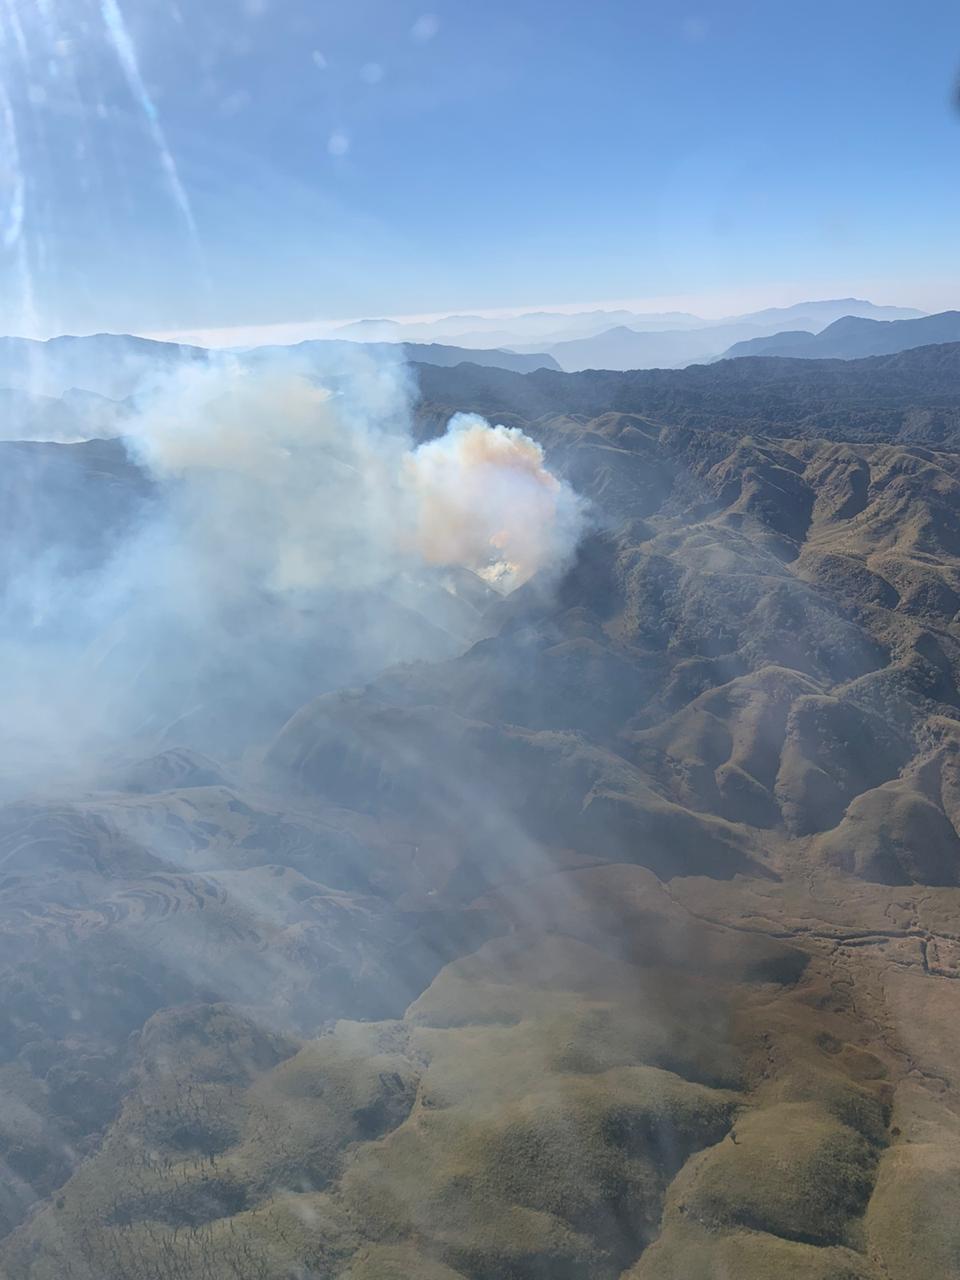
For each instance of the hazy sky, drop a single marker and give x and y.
(219, 163)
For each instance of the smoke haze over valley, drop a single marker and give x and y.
(259, 537)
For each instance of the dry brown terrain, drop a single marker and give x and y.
(624, 946)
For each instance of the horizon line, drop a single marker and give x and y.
(290, 332)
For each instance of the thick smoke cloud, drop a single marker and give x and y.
(316, 488)
(485, 500)
(295, 539)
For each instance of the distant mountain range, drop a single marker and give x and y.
(853, 337)
(72, 388)
(625, 347)
(622, 339)
(530, 331)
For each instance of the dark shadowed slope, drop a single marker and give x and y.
(911, 396)
(67, 505)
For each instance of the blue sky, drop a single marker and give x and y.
(224, 164)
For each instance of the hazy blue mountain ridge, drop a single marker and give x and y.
(853, 337)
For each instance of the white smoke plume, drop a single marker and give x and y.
(297, 540)
(485, 500)
(317, 488)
